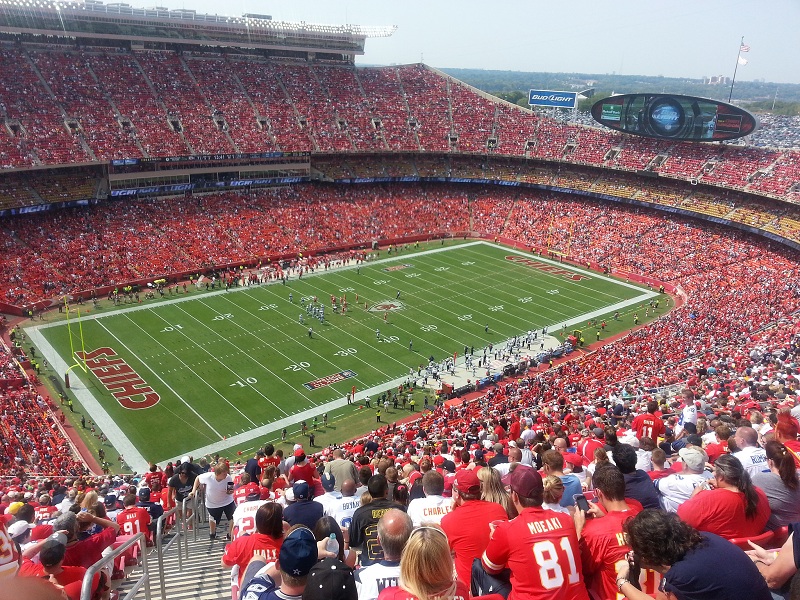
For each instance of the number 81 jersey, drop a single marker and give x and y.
(541, 549)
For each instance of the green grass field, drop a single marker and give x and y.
(230, 367)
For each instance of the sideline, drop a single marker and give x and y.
(134, 458)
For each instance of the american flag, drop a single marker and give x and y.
(744, 48)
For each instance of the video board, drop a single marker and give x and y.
(674, 117)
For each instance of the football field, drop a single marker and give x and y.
(208, 370)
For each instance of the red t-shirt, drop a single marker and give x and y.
(241, 550)
(467, 529)
(602, 545)
(538, 538)
(267, 461)
(9, 557)
(721, 511)
(398, 593)
(648, 425)
(44, 513)
(87, 552)
(241, 493)
(586, 448)
(305, 472)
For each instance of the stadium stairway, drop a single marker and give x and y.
(202, 577)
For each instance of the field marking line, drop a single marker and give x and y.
(320, 356)
(234, 290)
(88, 400)
(180, 361)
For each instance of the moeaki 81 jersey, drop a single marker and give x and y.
(541, 549)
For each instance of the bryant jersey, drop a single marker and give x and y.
(541, 549)
(602, 545)
(342, 510)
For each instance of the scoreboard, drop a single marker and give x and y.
(674, 117)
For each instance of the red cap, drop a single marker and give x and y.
(467, 481)
(299, 452)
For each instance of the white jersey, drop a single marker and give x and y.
(372, 580)
(244, 517)
(677, 489)
(342, 509)
(328, 499)
(430, 509)
(217, 494)
(753, 459)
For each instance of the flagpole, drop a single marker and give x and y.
(736, 68)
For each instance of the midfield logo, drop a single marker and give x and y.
(398, 267)
(386, 306)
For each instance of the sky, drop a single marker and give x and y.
(677, 38)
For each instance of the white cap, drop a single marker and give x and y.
(185, 459)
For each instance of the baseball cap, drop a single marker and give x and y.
(598, 432)
(185, 459)
(301, 490)
(330, 579)
(526, 482)
(18, 528)
(14, 507)
(694, 458)
(467, 481)
(144, 494)
(298, 552)
(110, 500)
(328, 482)
(52, 551)
(299, 452)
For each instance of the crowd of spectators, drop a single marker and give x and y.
(78, 249)
(69, 107)
(445, 505)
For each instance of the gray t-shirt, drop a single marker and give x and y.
(784, 502)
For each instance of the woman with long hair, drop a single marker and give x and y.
(781, 485)
(729, 504)
(426, 569)
(267, 538)
(492, 490)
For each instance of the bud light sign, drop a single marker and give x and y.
(552, 99)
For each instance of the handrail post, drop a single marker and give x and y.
(144, 579)
(160, 548)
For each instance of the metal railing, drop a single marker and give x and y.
(143, 580)
(161, 548)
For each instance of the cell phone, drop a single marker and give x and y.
(230, 486)
(581, 502)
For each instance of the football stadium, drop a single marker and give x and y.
(277, 325)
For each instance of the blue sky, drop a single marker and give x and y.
(677, 38)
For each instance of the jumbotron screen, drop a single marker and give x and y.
(668, 116)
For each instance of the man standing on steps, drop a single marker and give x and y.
(219, 497)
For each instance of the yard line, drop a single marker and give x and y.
(331, 323)
(177, 395)
(87, 399)
(216, 359)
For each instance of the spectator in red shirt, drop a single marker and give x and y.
(648, 424)
(267, 539)
(134, 519)
(86, 552)
(245, 489)
(302, 469)
(733, 507)
(467, 525)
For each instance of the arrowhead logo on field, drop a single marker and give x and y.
(386, 305)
